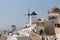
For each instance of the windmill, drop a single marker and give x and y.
(29, 16)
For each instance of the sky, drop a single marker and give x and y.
(12, 11)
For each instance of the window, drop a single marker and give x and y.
(58, 25)
(46, 38)
(33, 30)
(52, 22)
(43, 38)
(49, 18)
(52, 18)
(55, 39)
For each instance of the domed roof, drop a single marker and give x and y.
(13, 26)
(39, 19)
(33, 13)
(54, 10)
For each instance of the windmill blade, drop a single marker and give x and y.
(27, 14)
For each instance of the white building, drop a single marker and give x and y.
(46, 26)
(17, 37)
(13, 28)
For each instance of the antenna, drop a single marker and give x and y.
(48, 11)
(28, 11)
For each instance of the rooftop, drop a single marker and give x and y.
(33, 13)
(54, 10)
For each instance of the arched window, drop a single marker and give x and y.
(52, 18)
(49, 18)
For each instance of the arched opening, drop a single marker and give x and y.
(41, 32)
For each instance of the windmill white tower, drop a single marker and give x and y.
(33, 17)
(13, 28)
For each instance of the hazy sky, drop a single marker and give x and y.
(12, 11)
